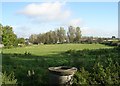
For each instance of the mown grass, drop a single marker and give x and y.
(44, 50)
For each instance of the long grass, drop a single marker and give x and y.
(40, 57)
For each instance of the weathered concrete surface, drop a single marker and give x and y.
(61, 76)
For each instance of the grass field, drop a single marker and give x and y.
(40, 57)
(53, 49)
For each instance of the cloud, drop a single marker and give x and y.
(46, 11)
(22, 31)
(88, 31)
(75, 22)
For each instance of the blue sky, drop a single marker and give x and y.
(94, 18)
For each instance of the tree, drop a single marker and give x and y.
(113, 37)
(1, 29)
(89, 40)
(51, 37)
(9, 39)
(57, 36)
(33, 39)
(78, 34)
(99, 40)
(21, 40)
(71, 34)
(54, 33)
(47, 38)
(61, 34)
(39, 38)
(1, 33)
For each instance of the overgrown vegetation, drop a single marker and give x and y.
(8, 79)
(99, 74)
(95, 66)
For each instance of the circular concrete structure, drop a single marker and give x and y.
(61, 75)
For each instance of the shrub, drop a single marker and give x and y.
(100, 75)
(8, 79)
(81, 77)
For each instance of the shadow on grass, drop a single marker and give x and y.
(32, 70)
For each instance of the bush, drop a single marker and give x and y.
(112, 43)
(81, 77)
(100, 75)
(8, 79)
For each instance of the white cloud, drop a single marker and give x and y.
(46, 11)
(88, 31)
(22, 31)
(75, 22)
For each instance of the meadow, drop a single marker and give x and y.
(46, 50)
(39, 58)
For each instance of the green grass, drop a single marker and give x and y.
(43, 50)
(0, 50)
(42, 57)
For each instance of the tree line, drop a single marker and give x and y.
(73, 35)
(9, 39)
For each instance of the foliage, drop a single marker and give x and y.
(1, 29)
(81, 77)
(100, 75)
(21, 40)
(8, 79)
(8, 37)
(78, 34)
(38, 58)
(112, 42)
(1, 33)
(57, 36)
(33, 38)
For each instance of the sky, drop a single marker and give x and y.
(119, 20)
(98, 19)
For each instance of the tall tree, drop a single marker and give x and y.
(47, 38)
(33, 38)
(39, 38)
(61, 34)
(54, 33)
(51, 37)
(71, 34)
(1, 29)
(1, 33)
(78, 34)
